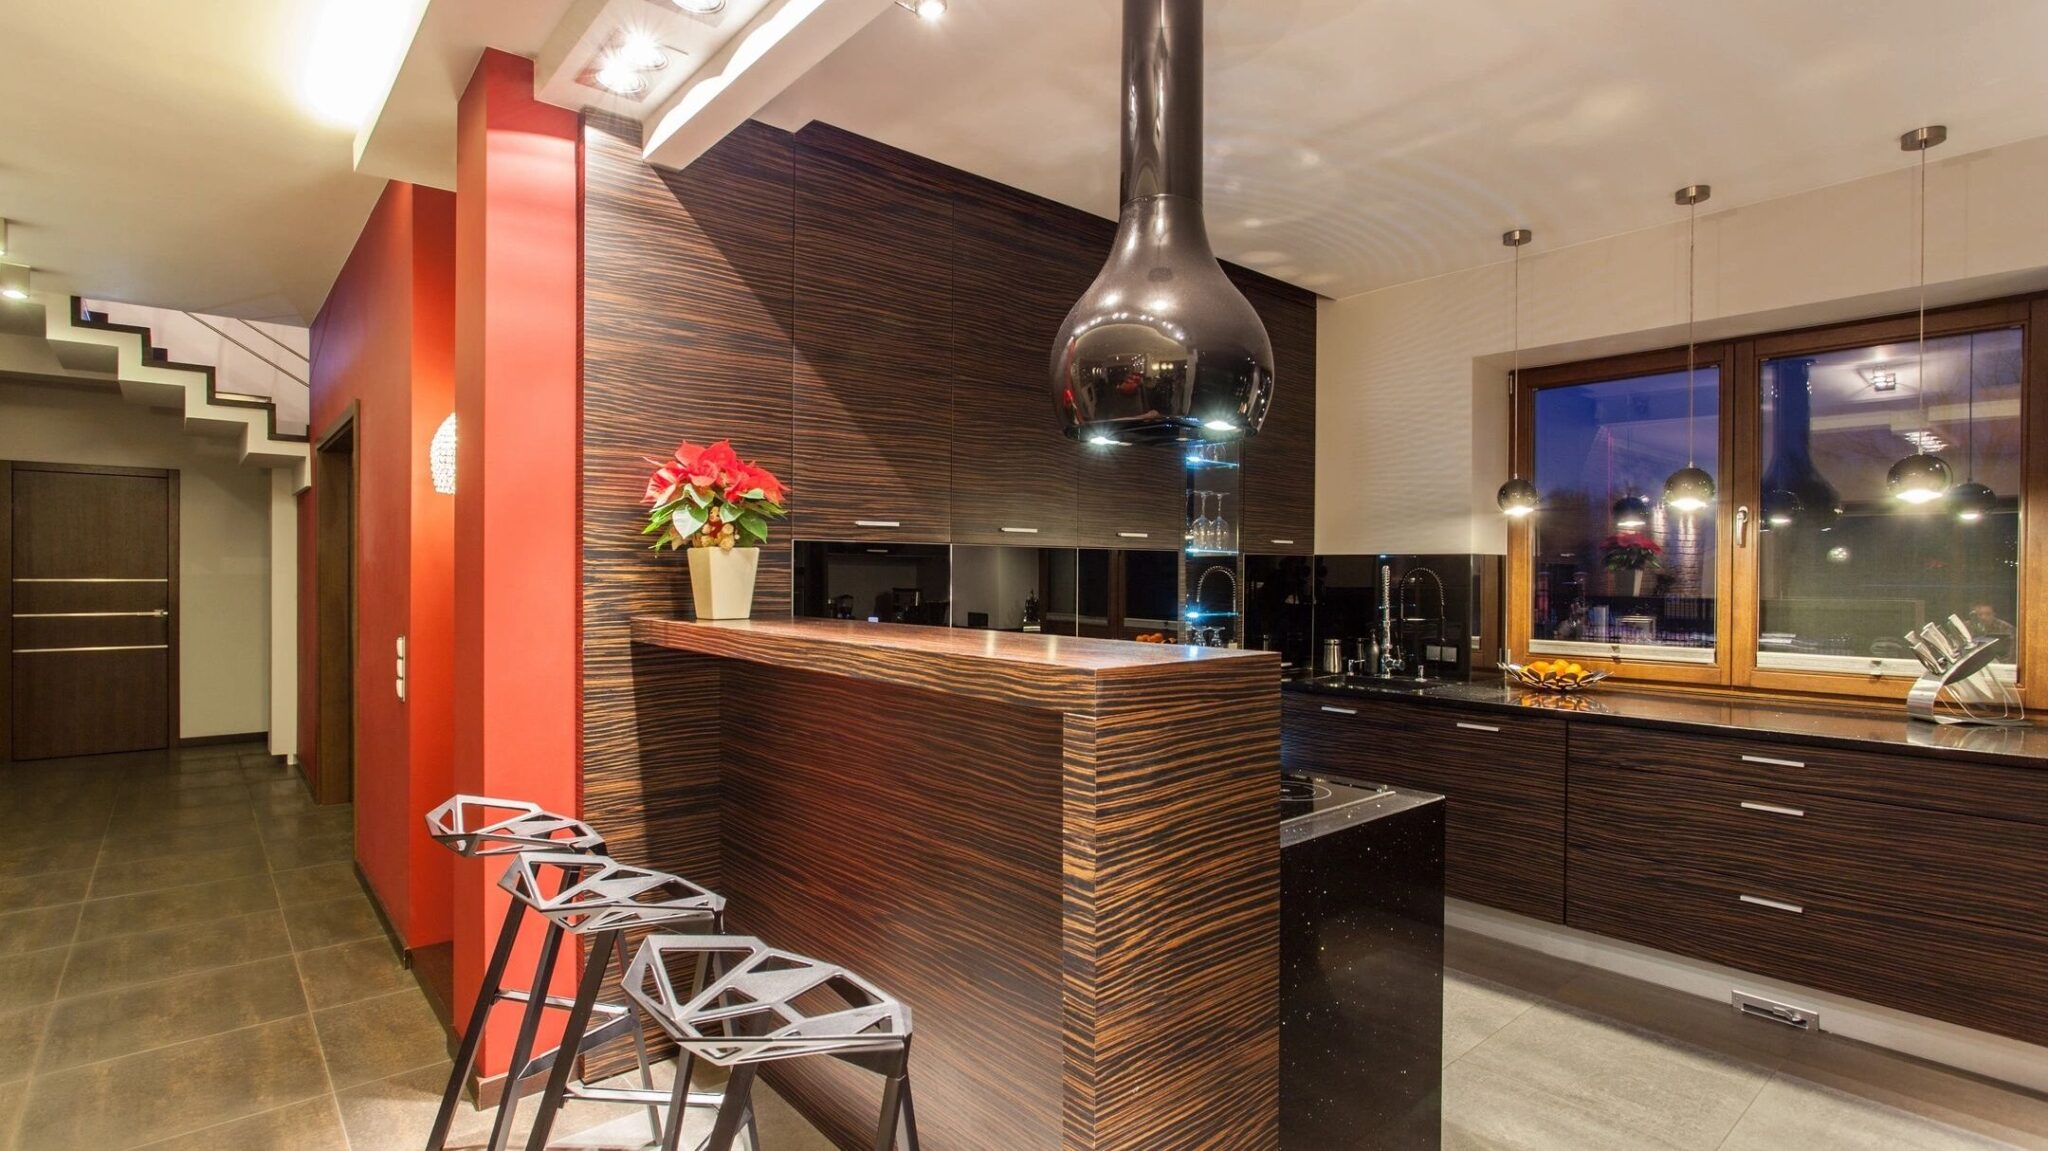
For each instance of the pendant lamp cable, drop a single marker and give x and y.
(1515, 376)
(1692, 235)
(1921, 364)
(1970, 411)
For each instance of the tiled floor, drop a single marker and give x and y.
(1545, 1055)
(187, 962)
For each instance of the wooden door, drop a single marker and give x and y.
(334, 577)
(92, 559)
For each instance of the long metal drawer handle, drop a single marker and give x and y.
(1486, 727)
(1340, 710)
(159, 613)
(1284, 543)
(1767, 761)
(1773, 904)
(878, 523)
(1134, 535)
(1771, 808)
(91, 579)
(1021, 531)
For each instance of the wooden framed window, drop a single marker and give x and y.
(1806, 575)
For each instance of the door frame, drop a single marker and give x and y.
(332, 787)
(174, 727)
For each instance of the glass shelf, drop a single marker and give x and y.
(1216, 552)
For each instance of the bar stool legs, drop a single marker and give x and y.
(522, 1046)
(472, 1036)
(896, 1106)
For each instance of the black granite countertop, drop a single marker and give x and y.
(1879, 728)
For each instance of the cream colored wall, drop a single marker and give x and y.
(1412, 416)
(223, 550)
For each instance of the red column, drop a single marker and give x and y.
(517, 569)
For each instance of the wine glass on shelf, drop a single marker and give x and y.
(1220, 532)
(1198, 531)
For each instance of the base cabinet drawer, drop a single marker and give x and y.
(1502, 776)
(1909, 860)
(1970, 974)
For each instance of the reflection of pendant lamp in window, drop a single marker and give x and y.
(1922, 476)
(1794, 492)
(1631, 513)
(1690, 488)
(1517, 496)
(1972, 501)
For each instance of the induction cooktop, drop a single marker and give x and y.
(1304, 794)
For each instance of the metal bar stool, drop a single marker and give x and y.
(764, 1006)
(602, 899)
(483, 827)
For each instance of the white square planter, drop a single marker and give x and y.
(722, 582)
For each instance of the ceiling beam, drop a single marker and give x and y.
(786, 40)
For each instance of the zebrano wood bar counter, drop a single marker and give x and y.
(1062, 853)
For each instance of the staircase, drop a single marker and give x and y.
(226, 377)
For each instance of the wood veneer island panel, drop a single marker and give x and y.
(1063, 853)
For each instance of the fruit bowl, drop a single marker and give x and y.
(1557, 675)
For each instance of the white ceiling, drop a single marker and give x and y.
(170, 153)
(1355, 144)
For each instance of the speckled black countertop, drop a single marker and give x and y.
(1877, 728)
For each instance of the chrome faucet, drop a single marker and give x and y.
(1411, 613)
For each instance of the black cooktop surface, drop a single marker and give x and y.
(1304, 794)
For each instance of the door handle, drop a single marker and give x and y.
(1485, 727)
(1134, 535)
(1769, 761)
(1773, 904)
(1742, 526)
(1772, 808)
(1340, 710)
(1020, 531)
(878, 523)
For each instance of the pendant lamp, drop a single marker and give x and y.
(1517, 497)
(1972, 501)
(1631, 513)
(1690, 489)
(1923, 476)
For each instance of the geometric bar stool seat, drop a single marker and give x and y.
(768, 1005)
(478, 827)
(597, 898)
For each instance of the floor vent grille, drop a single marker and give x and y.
(1771, 1009)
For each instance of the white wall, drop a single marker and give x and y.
(1412, 416)
(224, 537)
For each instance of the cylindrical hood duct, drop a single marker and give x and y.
(1162, 346)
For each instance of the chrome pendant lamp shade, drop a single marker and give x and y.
(1922, 477)
(1631, 513)
(1162, 346)
(1517, 497)
(1690, 489)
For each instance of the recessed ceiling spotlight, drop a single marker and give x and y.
(639, 50)
(700, 7)
(1884, 381)
(14, 281)
(617, 76)
(924, 9)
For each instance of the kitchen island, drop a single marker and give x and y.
(1062, 853)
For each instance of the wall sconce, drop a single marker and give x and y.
(14, 281)
(441, 456)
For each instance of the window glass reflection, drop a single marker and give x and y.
(1845, 570)
(1613, 565)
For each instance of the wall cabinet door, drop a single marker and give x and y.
(1280, 462)
(1133, 496)
(873, 343)
(1018, 266)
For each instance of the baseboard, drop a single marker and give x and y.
(391, 935)
(1978, 1052)
(262, 737)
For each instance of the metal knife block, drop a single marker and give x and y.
(1962, 675)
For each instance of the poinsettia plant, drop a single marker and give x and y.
(1632, 552)
(705, 497)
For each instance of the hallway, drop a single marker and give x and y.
(187, 961)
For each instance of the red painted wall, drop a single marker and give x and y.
(383, 344)
(517, 560)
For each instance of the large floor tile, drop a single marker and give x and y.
(304, 851)
(176, 907)
(317, 884)
(12, 1096)
(130, 848)
(21, 1034)
(1475, 1009)
(178, 870)
(1681, 1096)
(124, 1103)
(148, 1015)
(319, 821)
(377, 1038)
(105, 964)
(1486, 1110)
(314, 1125)
(189, 788)
(30, 979)
(394, 1114)
(1929, 1090)
(1794, 1114)
(348, 972)
(24, 862)
(325, 924)
(41, 928)
(45, 890)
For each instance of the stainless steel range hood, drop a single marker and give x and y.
(1162, 346)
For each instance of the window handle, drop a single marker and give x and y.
(1742, 526)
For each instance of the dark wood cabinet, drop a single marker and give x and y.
(1503, 777)
(1278, 499)
(1018, 266)
(873, 343)
(1132, 495)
